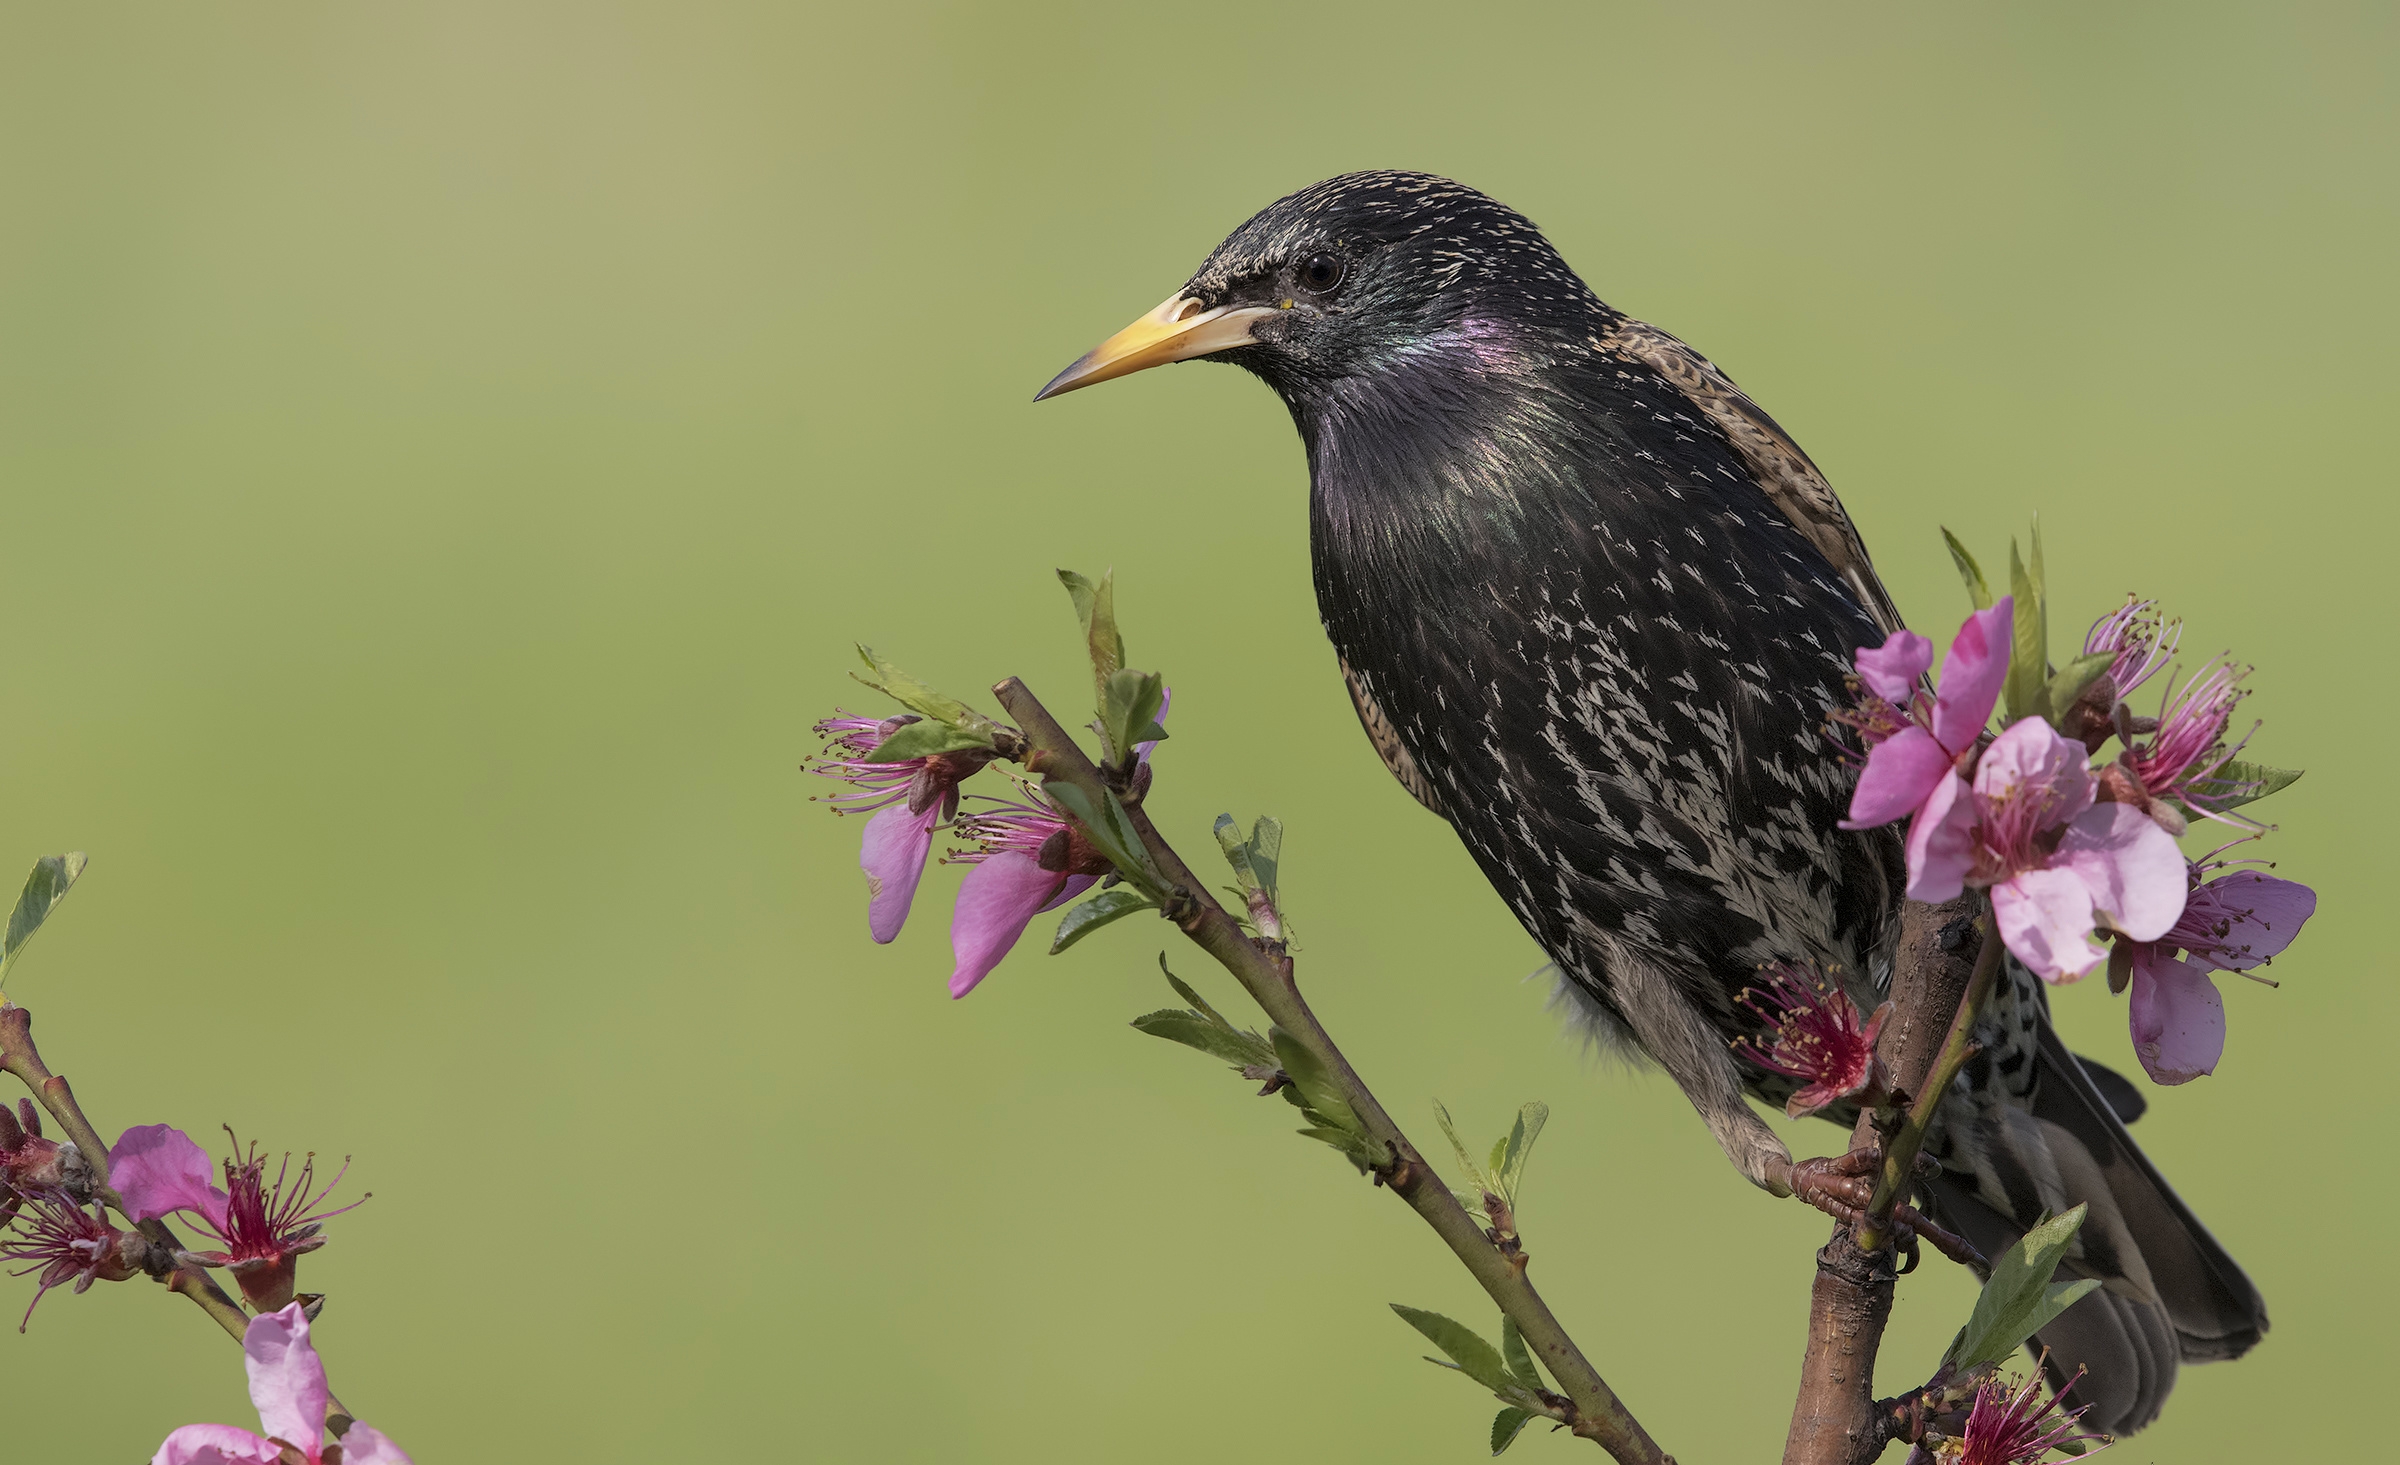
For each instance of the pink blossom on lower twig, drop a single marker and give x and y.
(908, 799)
(287, 1385)
(58, 1238)
(2018, 1427)
(262, 1229)
(1032, 859)
(2141, 642)
(2232, 923)
(1817, 1036)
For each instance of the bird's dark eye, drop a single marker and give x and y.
(1321, 271)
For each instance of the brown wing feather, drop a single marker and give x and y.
(1386, 739)
(1791, 481)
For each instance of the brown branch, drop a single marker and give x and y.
(1264, 969)
(1835, 1420)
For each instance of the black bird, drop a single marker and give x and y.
(1593, 607)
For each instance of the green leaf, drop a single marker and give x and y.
(1315, 1082)
(1129, 705)
(2028, 652)
(1505, 1426)
(1510, 1166)
(1109, 905)
(1199, 1003)
(1111, 832)
(1096, 610)
(1520, 1361)
(1969, 571)
(2020, 1298)
(2071, 682)
(1266, 856)
(1237, 851)
(915, 695)
(1238, 1049)
(923, 739)
(53, 876)
(1475, 1175)
(2236, 783)
(1468, 1352)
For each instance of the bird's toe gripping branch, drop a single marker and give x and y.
(1843, 1187)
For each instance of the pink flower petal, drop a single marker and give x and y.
(1941, 842)
(2045, 917)
(287, 1380)
(2266, 913)
(156, 1170)
(1075, 885)
(2131, 867)
(215, 1444)
(893, 855)
(1901, 771)
(2030, 757)
(2178, 1019)
(1971, 677)
(367, 1446)
(994, 902)
(1891, 670)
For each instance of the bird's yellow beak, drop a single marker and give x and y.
(1177, 331)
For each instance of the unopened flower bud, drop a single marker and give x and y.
(28, 1162)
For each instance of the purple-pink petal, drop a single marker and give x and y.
(893, 855)
(1971, 676)
(2131, 867)
(287, 1380)
(1073, 886)
(1901, 772)
(2266, 914)
(2031, 761)
(2045, 917)
(156, 1169)
(216, 1444)
(1891, 670)
(995, 901)
(1941, 842)
(2178, 1020)
(365, 1445)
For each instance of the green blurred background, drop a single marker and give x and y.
(449, 449)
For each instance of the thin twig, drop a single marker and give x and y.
(1265, 972)
(1958, 1045)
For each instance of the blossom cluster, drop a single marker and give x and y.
(2081, 861)
(1026, 855)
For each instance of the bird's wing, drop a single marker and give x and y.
(1792, 483)
(1386, 739)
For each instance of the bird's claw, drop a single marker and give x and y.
(1843, 1186)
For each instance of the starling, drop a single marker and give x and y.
(1593, 607)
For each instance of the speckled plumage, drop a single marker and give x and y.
(1593, 606)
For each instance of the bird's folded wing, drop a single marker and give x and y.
(1791, 481)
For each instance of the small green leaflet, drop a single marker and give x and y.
(1507, 1165)
(2020, 1299)
(2029, 641)
(53, 876)
(1334, 1121)
(1478, 1182)
(1257, 864)
(2071, 681)
(2236, 783)
(1130, 702)
(1512, 1348)
(1505, 1427)
(923, 739)
(1096, 611)
(915, 695)
(1109, 905)
(1111, 830)
(1969, 571)
(1205, 1028)
(1468, 1352)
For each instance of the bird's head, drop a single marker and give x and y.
(1347, 277)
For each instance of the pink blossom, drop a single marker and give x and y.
(2180, 760)
(1925, 742)
(262, 1230)
(30, 1162)
(1032, 858)
(287, 1384)
(2232, 923)
(59, 1239)
(2141, 642)
(912, 797)
(2020, 1427)
(2056, 863)
(1816, 1036)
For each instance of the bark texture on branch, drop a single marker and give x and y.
(1834, 1420)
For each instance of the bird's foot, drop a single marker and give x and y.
(1843, 1186)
